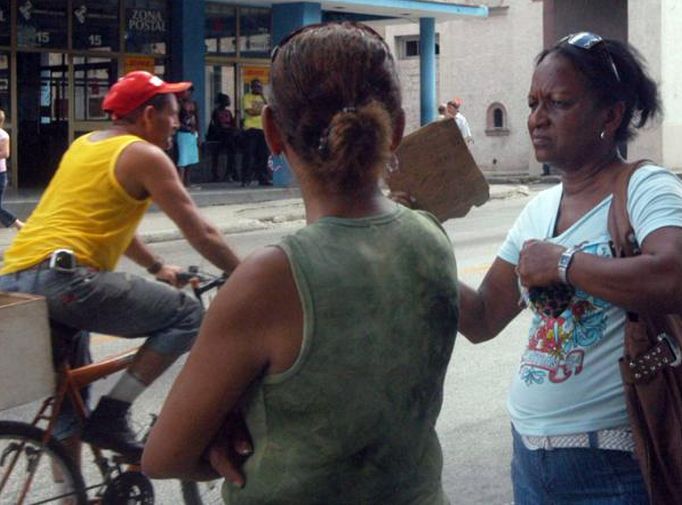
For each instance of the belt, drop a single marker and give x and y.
(43, 265)
(617, 439)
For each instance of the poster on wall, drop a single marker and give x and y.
(249, 73)
(145, 63)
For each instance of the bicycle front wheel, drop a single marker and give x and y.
(202, 493)
(33, 473)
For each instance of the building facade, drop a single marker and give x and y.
(488, 62)
(58, 58)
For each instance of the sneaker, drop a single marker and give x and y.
(108, 428)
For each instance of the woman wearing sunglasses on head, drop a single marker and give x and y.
(335, 342)
(570, 426)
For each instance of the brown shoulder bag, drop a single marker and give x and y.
(651, 372)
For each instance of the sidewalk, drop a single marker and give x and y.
(236, 210)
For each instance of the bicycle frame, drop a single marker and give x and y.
(69, 383)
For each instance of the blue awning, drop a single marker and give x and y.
(409, 10)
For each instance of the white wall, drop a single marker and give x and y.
(671, 82)
(483, 61)
(645, 34)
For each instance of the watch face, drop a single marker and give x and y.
(551, 301)
(564, 260)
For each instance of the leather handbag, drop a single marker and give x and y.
(651, 372)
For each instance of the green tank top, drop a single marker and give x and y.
(352, 422)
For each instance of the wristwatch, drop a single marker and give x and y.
(565, 262)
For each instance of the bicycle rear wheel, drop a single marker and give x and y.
(45, 469)
(202, 493)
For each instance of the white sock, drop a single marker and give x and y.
(128, 388)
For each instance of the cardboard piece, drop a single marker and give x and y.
(438, 171)
(26, 370)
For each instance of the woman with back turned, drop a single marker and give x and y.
(335, 342)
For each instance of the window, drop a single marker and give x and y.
(408, 46)
(42, 23)
(146, 26)
(95, 25)
(221, 29)
(254, 32)
(496, 120)
(92, 78)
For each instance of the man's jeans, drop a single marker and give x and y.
(6, 217)
(112, 303)
(575, 476)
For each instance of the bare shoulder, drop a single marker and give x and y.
(260, 302)
(142, 167)
(260, 278)
(144, 155)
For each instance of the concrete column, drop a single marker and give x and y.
(291, 16)
(427, 69)
(285, 19)
(187, 48)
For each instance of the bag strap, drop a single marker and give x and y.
(621, 231)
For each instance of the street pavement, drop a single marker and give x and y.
(232, 209)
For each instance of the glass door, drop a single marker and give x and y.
(42, 115)
(92, 78)
(220, 78)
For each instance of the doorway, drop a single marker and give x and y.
(42, 115)
(220, 78)
(222, 157)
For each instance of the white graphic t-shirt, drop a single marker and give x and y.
(568, 379)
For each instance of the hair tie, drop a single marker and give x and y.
(349, 110)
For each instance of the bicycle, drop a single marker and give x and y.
(35, 468)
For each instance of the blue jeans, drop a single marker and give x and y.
(113, 303)
(575, 476)
(6, 217)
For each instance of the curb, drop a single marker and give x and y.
(271, 221)
(267, 220)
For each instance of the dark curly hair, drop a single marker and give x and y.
(632, 84)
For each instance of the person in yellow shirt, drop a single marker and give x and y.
(87, 219)
(256, 156)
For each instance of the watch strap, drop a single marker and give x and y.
(155, 267)
(565, 261)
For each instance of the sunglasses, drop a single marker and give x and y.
(589, 41)
(295, 33)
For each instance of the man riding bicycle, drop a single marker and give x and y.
(87, 218)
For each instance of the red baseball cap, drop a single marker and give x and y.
(134, 89)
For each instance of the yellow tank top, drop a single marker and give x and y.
(84, 208)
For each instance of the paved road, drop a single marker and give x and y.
(473, 425)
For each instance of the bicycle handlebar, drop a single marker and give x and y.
(202, 282)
